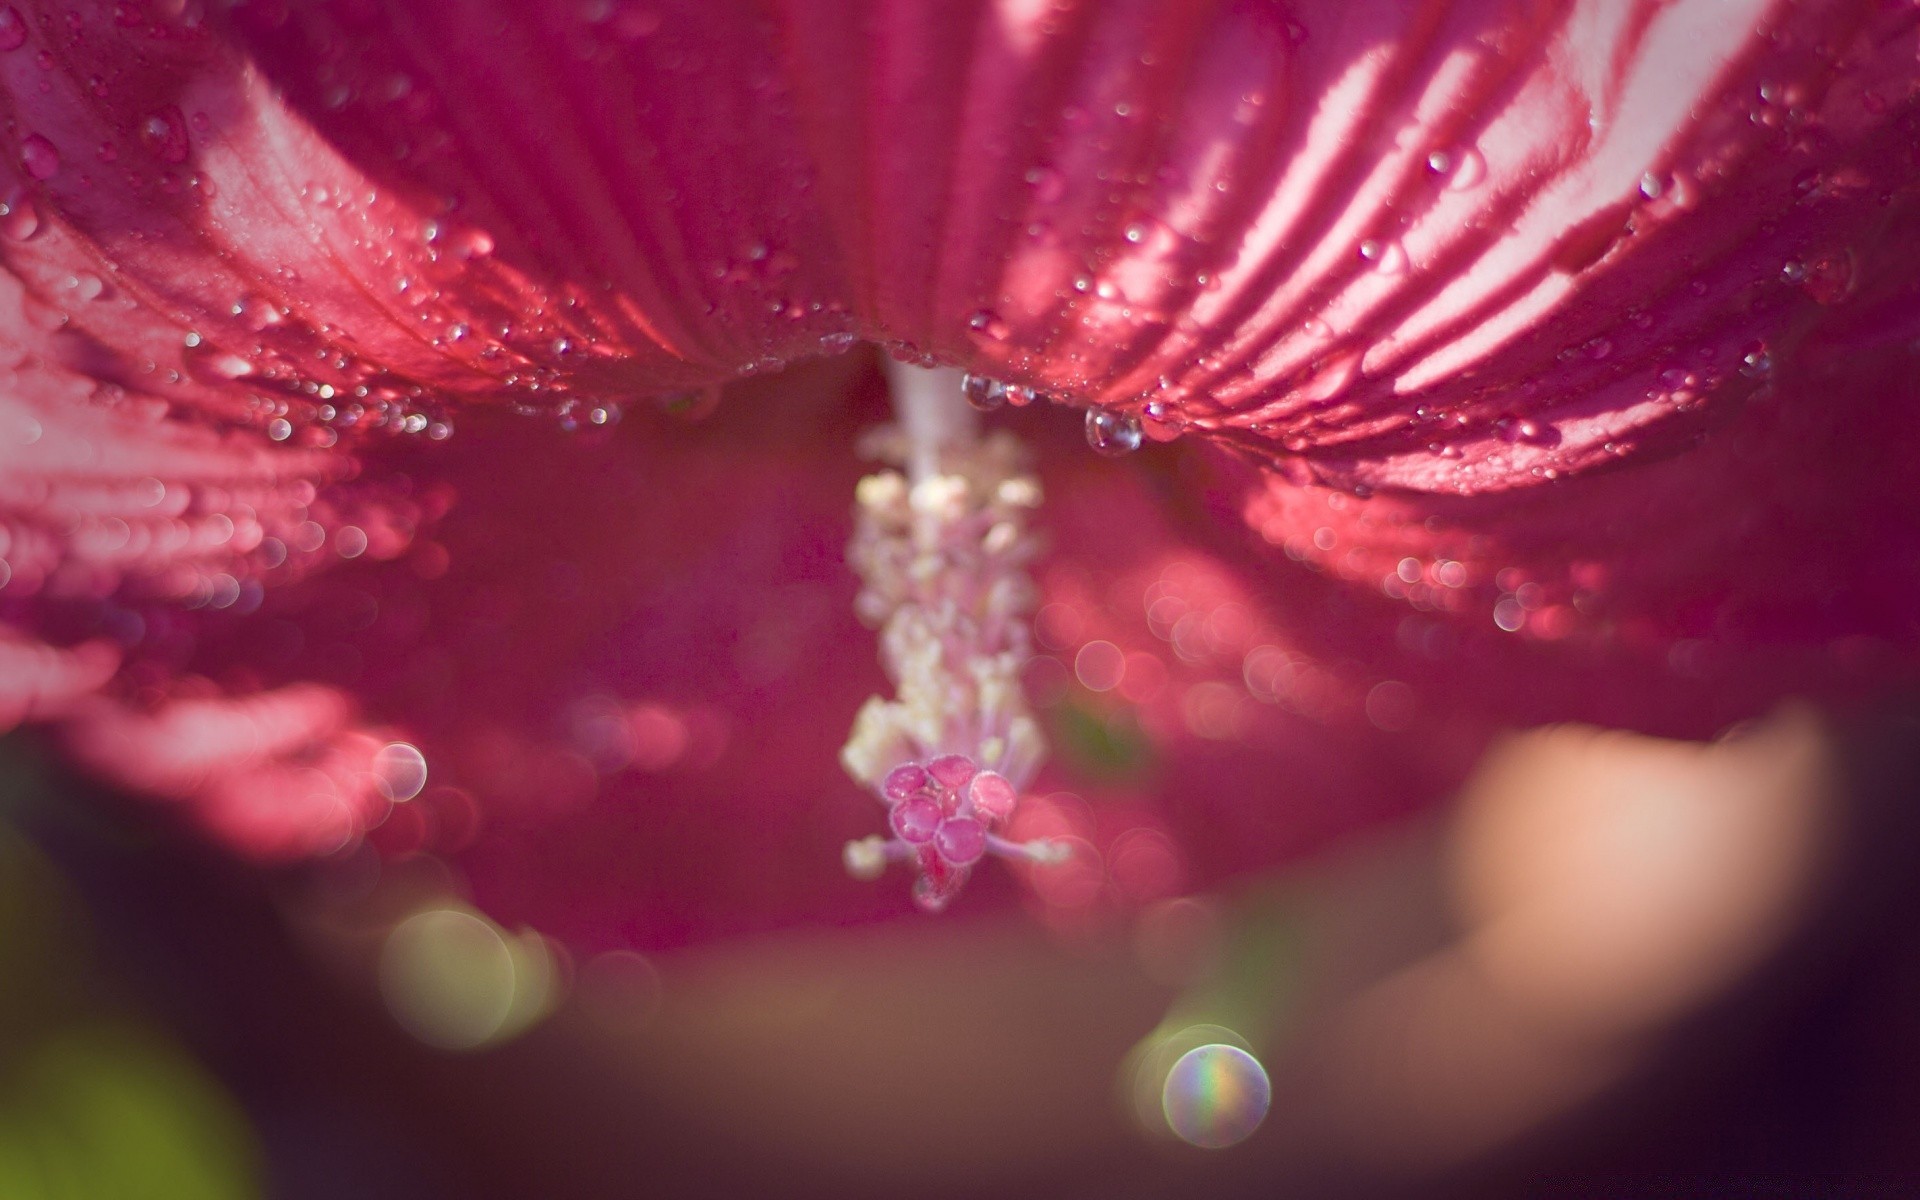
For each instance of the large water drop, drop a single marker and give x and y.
(1113, 433)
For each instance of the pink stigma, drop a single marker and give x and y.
(943, 814)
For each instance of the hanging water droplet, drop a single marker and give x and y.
(39, 157)
(982, 393)
(1113, 433)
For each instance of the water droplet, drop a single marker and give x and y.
(1439, 162)
(13, 30)
(1756, 363)
(39, 157)
(165, 134)
(210, 364)
(1388, 258)
(1469, 171)
(982, 393)
(19, 220)
(279, 429)
(988, 322)
(1048, 184)
(471, 243)
(1113, 433)
(1513, 430)
(1830, 278)
(1652, 186)
(1136, 233)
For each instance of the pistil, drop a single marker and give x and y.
(942, 546)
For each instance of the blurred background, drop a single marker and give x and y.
(1612, 966)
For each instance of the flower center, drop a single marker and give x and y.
(942, 546)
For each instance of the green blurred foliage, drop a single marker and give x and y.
(94, 1105)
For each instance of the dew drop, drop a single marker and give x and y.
(1830, 278)
(165, 133)
(1514, 430)
(1113, 433)
(39, 157)
(982, 393)
(471, 243)
(1048, 184)
(1757, 363)
(988, 323)
(19, 220)
(210, 364)
(1469, 171)
(13, 30)
(1388, 258)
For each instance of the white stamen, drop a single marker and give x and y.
(943, 551)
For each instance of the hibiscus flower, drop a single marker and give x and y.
(438, 423)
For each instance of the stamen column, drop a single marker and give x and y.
(942, 545)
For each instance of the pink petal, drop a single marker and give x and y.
(256, 265)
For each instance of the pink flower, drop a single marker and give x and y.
(1563, 358)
